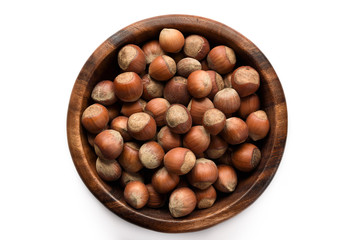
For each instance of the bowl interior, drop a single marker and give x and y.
(103, 65)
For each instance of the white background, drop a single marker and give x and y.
(314, 47)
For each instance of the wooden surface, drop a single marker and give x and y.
(102, 64)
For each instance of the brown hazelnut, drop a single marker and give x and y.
(130, 108)
(114, 111)
(157, 108)
(131, 59)
(182, 202)
(217, 147)
(178, 119)
(199, 84)
(177, 56)
(183, 182)
(136, 194)
(187, 65)
(104, 93)
(129, 158)
(95, 118)
(162, 68)
(205, 198)
(151, 88)
(175, 91)
(179, 160)
(258, 124)
(204, 65)
(120, 124)
(245, 80)
(151, 154)
(235, 131)
(246, 157)
(108, 144)
(197, 108)
(196, 47)
(248, 105)
(141, 126)
(222, 59)
(128, 86)
(197, 139)
(127, 177)
(167, 139)
(203, 174)
(226, 157)
(227, 100)
(108, 170)
(214, 121)
(152, 50)
(163, 181)
(217, 83)
(171, 40)
(227, 80)
(156, 200)
(227, 179)
(90, 138)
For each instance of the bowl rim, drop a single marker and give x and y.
(104, 193)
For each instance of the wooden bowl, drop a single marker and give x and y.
(102, 64)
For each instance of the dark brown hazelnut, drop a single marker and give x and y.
(114, 111)
(175, 91)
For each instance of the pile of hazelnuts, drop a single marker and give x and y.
(179, 110)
